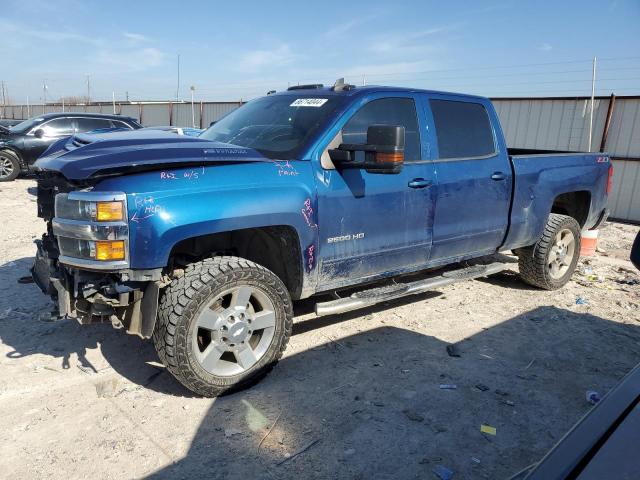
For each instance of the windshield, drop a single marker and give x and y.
(26, 125)
(277, 126)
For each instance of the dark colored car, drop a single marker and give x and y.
(22, 144)
(7, 122)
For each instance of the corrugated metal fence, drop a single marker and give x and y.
(149, 114)
(563, 124)
(542, 123)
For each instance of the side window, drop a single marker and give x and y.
(463, 129)
(386, 111)
(59, 127)
(88, 124)
(119, 124)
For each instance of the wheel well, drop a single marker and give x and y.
(17, 154)
(276, 248)
(573, 204)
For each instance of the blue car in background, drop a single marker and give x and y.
(188, 131)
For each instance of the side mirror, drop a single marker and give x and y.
(384, 150)
(635, 252)
(39, 133)
(389, 154)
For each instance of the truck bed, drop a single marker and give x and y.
(540, 177)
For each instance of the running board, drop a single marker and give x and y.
(366, 298)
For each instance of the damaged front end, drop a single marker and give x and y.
(82, 261)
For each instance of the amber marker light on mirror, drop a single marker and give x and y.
(391, 157)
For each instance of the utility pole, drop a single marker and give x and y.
(4, 100)
(178, 86)
(88, 89)
(28, 108)
(113, 100)
(193, 112)
(62, 104)
(593, 94)
(44, 96)
(127, 95)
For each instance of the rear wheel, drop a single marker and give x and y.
(223, 325)
(550, 263)
(9, 166)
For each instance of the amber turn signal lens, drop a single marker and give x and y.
(109, 211)
(111, 250)
(395, 157)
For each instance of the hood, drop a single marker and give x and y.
(98, 155)
(5, 133)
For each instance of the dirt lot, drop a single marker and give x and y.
(362, 389)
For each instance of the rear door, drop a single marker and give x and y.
(474, 178)
(373, 224)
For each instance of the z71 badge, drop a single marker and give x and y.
(344, 238)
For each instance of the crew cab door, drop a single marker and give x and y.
(474, 178)
(53, 130)
(373, 224)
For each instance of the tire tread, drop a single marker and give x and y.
(532, 260)
(181, 297)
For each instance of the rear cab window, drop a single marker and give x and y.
(463, 129)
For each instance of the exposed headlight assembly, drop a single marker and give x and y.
(92, 230)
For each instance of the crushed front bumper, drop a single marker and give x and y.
(129, 299)
(44, 273)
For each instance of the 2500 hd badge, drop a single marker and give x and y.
(344, 238)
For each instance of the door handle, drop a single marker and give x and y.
(419, 183)
(498, 176)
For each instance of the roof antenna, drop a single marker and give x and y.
(339, 85)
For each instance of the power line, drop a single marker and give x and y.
(433, 76)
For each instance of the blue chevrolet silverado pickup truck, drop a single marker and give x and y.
(203, 243)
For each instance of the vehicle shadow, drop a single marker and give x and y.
(371, 405)
(372, 401)
(130, 356)
(23, 330)
(508, 279)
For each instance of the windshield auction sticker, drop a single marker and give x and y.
(309, 102)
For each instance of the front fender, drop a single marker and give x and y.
(170, 206)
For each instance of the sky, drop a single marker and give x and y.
(242, 49)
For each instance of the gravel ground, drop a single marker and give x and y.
(361, 390)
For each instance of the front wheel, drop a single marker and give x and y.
(223, 325)
(550, 263)
(9, 166)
